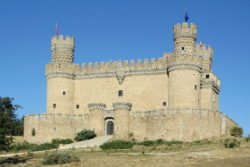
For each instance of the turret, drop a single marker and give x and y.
(184, 69)
(62, 49)
(185, 38)
(60, 87)
(122, 119)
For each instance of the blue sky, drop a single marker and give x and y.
(121, 30)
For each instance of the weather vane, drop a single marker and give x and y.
(57, 30)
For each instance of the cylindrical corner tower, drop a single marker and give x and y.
(62, 49)
(185, 38)
(122, 119)
(59, 74)
(184, 69)
(97, 117)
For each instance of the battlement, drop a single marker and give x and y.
(204, 51)
(185, 30)
(57, 116)
(61, 39)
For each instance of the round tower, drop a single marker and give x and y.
(62, 49)
(59, 74)
(122, 119)
(97, 117)
(184, 69)
(185, 38)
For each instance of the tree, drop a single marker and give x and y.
(7, 121)
(236, 131)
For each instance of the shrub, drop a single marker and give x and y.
(33, 147)
(236, 131)
(44, 146)
(85, 135)
(231, 143)
(147, 143)
(61, 141)
(59, 158)
(117, 144)
(247, 138)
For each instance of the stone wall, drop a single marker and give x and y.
(167, 124)
(53, 126)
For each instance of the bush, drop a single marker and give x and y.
(117, 144)
(248, 138)
(236, 131)
(159, 142)
(61, 141)
(147, 143)
(33, 147)
(85, 135)
(231, 143)
(45, 146)
(59, 158)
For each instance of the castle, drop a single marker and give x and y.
(174, 97)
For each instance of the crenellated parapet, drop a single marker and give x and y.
(187, 62)
(206, 52)
(57, 116)
(185, 30)
(62, 49)
(122, 106)
(107, 69)
(96, 106)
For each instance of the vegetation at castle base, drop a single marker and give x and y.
(61, 141)
(247, 138)
(39, 147)
(59, 158)
(33, 147)
(174, 144)
(117, 144)
(9, 124)
(236, 131)
(85, 135)
(231, 143)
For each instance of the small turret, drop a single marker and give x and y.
(62, 49)
(185, 38)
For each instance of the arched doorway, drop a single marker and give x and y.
(110, 128)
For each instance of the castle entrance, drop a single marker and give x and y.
(110, 128)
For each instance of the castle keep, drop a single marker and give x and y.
(174, 97)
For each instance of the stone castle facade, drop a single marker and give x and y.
(174, 97)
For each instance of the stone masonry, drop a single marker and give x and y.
(174, 97)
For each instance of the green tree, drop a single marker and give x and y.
(7, 121)
(236, 131)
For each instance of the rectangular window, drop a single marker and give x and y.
(164, 103)
(77, 106)
(207, 76)
(195, 87)
(120, 93)
(64, 93)
(54, 105)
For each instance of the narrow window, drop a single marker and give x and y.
(164, 103)
(54, 105)
(207, 76)
(33, 132)
(195, 87)
(182, 48)
(54, 129)
(64, 93)
(120, 93)
(77, 106)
